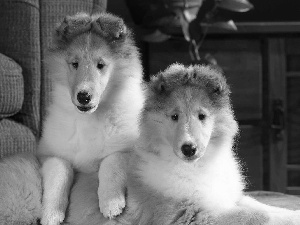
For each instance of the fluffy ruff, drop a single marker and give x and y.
(96, 99)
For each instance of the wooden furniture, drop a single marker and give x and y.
(262, 64)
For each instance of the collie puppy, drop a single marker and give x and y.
(182, 169)
(96, 99)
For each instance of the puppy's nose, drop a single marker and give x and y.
(84, 97)
(188, 150)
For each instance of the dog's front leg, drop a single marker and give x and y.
(57, 177)
(112, 184)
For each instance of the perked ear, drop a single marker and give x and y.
(221, 89)
(160, 84)
(219, 85)
(110, 27)
(217, 90)
(73, 25)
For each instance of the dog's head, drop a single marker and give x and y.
(186, 110)
(88, 51)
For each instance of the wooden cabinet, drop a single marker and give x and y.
(292, 71)
(263, 71)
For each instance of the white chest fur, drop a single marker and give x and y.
(84, 139)
(213, 185)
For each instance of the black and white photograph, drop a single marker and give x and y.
(149, 112)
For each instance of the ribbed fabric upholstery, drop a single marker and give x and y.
(11, 87)
(15, 138)
(20, 40)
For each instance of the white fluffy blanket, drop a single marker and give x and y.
(20, 190)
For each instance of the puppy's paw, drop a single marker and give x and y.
(52, 217)
(111, 206)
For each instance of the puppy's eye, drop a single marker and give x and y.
(201, 116)
(174, 117)
(75, 65)
(100, 66)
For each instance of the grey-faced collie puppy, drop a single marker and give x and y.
(96, 99)
(182, 169)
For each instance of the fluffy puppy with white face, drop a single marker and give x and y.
(96, 99)
(183, 169)
(187, 133)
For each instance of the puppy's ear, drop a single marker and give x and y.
(110, 27)
(217, 90)
(160, 84)
(219, 85)
(222, 88)
(72, 26)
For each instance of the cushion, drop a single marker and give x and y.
(11, 87)
(15, 138)
(20, 40)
